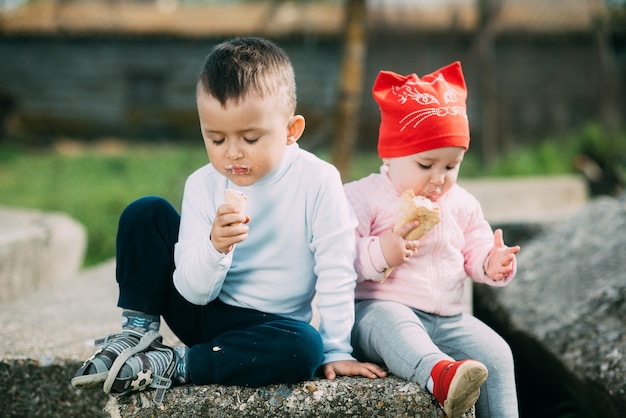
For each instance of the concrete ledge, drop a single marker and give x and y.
(343, 397)
(528, 199)
(41, 349)
(37, 249)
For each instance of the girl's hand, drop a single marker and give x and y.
(229, 228)
(501, 258)
(395, 248)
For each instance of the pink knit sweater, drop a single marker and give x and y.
(432, 280)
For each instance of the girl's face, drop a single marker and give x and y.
(246, 140)
(430, 173)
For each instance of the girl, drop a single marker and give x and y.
(414, 321)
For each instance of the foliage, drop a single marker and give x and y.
(558, 156)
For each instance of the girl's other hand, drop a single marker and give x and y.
(501, 258)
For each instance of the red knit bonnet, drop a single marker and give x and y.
(421, 114)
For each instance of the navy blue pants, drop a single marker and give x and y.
(228, 345)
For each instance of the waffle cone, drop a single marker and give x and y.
(411, 209)
(235, 198)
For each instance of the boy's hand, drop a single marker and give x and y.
(229, 228)
(501, 258)
(352, 368)
(395, 248)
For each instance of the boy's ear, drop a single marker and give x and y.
(295, 129)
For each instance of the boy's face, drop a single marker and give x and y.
(246, 140)
(430, 173)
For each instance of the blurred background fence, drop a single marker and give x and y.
(93, 76)
(89, 68)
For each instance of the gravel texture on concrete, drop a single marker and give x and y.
(343, 397)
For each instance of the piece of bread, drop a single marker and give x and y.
(415, 208)
(235, 198)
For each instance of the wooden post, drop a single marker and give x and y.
(488, 81)
(608, 79)
(350, 86)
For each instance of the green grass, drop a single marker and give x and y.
(554, 156)
(94, 187)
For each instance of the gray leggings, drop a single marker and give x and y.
(410, 342)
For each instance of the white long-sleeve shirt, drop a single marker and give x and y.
(301, 241)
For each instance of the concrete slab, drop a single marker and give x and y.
(357, 397)
(37, 249)
(529, 199)
(48, 333)
(62, 320)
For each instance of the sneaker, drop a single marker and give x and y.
(154, 367)
(95, 369)
(457, 385)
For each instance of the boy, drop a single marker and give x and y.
(236, 288)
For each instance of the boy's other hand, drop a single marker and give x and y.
(352, 368)
(229, 228)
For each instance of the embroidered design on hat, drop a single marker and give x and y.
(421, 115)
(406, 93)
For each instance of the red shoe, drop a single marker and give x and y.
(456, 385)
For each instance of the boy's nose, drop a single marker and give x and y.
(234, 152)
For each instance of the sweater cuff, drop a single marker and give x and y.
(376, 254)
(498, 283)
(330, 357)
(220, 260)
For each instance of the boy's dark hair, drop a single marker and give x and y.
(248, 65)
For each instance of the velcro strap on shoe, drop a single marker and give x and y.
(138, 381)
(162, 383)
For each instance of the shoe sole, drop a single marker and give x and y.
(145, 342)
(89, 381)
(464, 388)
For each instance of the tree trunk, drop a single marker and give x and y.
(350, 86)
(488, 81)
(608, 80)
